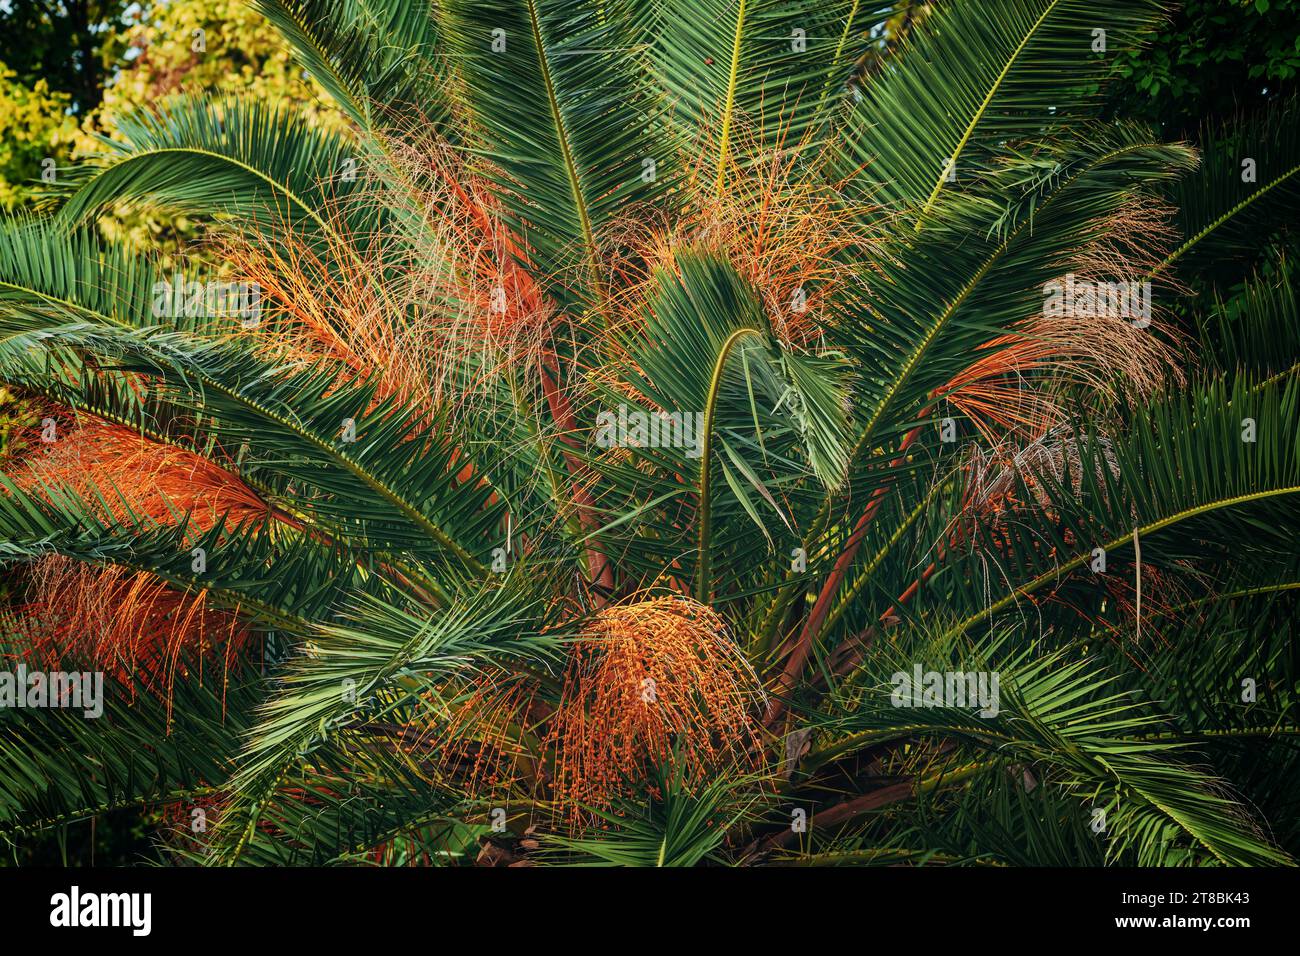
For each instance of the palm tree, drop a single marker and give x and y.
(646, 438)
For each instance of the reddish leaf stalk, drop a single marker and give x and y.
(598, 565)
(817, 617)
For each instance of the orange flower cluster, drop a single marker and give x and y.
(481, 742)
(130, 623)
(651, 681)
(161, 482)
(794, 242)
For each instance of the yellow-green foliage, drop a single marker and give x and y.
(240, 53)
(36, 125)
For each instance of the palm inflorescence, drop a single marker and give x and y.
(624, 405)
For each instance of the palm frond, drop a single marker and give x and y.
(972, 78)
(565, 126)
(367, 55)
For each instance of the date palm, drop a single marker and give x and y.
(635, 390)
